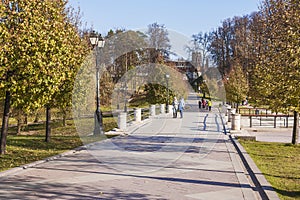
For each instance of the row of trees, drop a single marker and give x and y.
(132, 66)
(258, 56)
(41, 50)
(127, 52)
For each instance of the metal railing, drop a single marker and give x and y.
(130, 115)
(145, 113)
(270, 120)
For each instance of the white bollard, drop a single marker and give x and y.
(138, 115)
(227, 110)
(122, 121)
(152, 110)
(162, 108)
(229, 114)
(236, 122)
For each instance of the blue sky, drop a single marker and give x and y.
(183, 16)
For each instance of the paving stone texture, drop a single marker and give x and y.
(164, 158)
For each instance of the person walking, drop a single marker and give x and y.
(200, 104)
(209, 104)
(175, 107)
(181, 107)
(203, 103)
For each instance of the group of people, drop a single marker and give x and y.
(178, 106)
(205, 104)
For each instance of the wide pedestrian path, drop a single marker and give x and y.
(163, 158)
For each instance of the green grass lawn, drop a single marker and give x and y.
(30, 146)
(26, 149)
(280, 164)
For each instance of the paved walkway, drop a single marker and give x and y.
(282, 135)
(165, 158)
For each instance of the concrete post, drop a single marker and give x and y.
(152, 110)
(236, 122)
(162, 108)
(227, 110)
(229, 114)
(138, 115)
(122, 121)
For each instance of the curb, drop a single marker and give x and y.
(241, 173)
(265, 189)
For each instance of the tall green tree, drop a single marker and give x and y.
(236, 85)
(77, 50)
(255, 48)
(34, 63)
(123, 51)
(278, 73)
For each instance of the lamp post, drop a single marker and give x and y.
(97, 42)
(167, 79)
(204, 90)
(125, 87)
(125, 97)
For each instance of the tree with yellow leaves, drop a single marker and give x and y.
(278, 71)
(37, 55)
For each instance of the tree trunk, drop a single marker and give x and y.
(295, 136)
(5, 119)
(26, 119)
(48, 125)
(64, 118)
(36, 118)
(19, 126)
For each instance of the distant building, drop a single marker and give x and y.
(197, 60)
(183, 66)
(200, 64)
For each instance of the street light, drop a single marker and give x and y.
(125, 96)
(97, 42)
(125, 87)
(204, 89)
(167, 79)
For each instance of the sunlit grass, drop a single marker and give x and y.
(30, 146)
(280, 164)
(25, 149)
